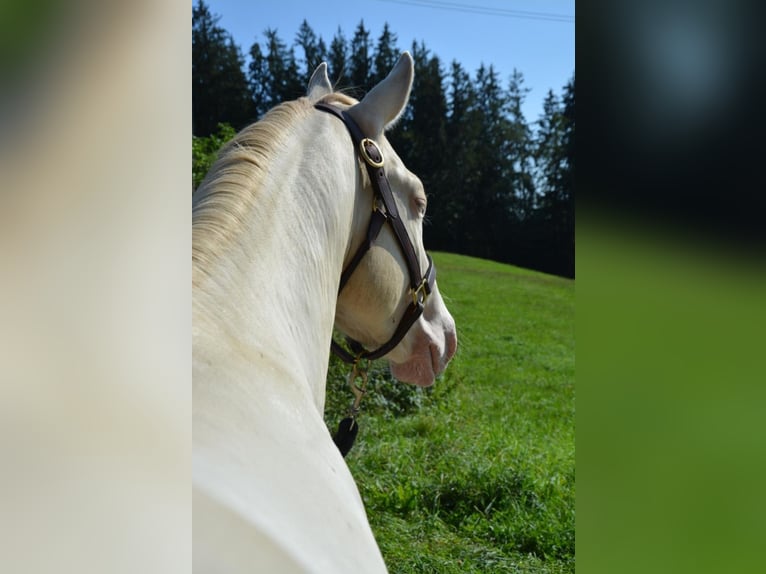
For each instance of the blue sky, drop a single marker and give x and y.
(542, 49)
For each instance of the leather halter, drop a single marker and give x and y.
(420, 285)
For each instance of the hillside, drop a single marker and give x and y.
(477, 473)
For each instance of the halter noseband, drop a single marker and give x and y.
(420, 285)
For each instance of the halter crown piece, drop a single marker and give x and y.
(421, 286)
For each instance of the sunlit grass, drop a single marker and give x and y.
(477, 473)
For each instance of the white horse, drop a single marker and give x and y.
(275, 223)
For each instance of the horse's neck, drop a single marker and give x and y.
(272, 299)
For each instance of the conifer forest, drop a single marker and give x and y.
(500, 185)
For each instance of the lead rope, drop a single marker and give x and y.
(349, 427)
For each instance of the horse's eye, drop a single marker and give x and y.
(421, 204)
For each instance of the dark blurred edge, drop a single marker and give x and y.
(670, 294)
(687, 160)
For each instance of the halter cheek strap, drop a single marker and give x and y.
(420, 285)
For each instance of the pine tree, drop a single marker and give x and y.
(220, 91)
(420, 139)
(568, 181)
(520, 148)
(549, 151)
(463, 130)
(282, 81)
(489, 214)
(569, 135)
(386, 55)
(314, 51)
(360, 72)
(462, 97)
(256, 77)
(295, 85)
(338, 60)
(555, 143)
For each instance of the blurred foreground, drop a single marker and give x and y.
(95, 398)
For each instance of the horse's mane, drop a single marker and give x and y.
(222, 202)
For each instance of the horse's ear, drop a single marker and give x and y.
(383, 105)
(319, 84)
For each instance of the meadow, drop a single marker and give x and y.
(477, 473)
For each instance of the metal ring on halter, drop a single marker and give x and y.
(366, 155)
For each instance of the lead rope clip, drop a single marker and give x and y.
(348, 427)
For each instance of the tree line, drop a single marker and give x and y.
(499, 186)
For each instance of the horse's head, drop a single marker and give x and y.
(379, 292)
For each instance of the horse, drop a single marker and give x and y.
(279, 217)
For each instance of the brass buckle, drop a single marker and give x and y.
(421, 289)
(366, 156)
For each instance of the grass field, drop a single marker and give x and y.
(476, 474)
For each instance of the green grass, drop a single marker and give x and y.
(477, 473)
